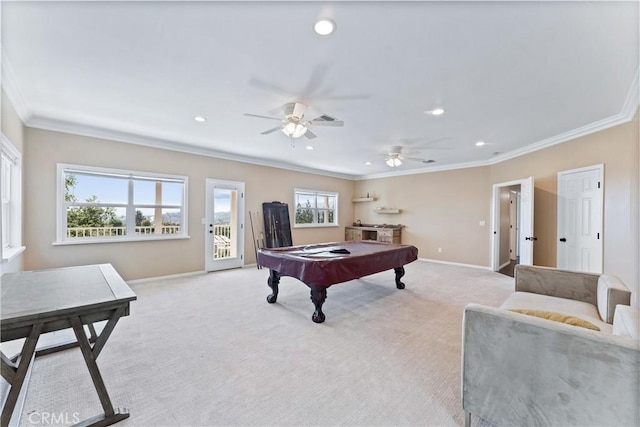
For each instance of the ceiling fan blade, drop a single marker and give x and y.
(266, 132)
(426, 142)
(309, 134)
(261, 84)
(262, 117)
(337, 123)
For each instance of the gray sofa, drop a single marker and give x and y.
(519, 369)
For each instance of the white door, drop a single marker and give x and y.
(224, 225)
(527, 237)
(579, 245)
(525, 234)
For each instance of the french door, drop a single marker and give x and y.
(224, 227)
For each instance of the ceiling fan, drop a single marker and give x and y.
(395, 157)
(294, 124)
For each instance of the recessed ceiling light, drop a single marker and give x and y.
(309, 147)
(324, 26)
(480, 143)
(367, 163)
(435, 112)
(200, 119)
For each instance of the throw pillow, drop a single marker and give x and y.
(558, 317)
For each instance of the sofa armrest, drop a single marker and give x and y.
(557, 283)
(522, 370)
(611, 292)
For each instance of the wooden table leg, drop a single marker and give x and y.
(15, 375)
(318, 296)
(110, 416)
(399, 273)
(273, 281)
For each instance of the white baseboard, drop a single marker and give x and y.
(504, 265)
(170, 276)
(178, 276)
(459, 264)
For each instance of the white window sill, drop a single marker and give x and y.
(315, 225)
(8, 254)
(92, 240)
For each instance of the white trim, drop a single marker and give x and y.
(92, 240)
(503, 265)
(15, 201)
(182, 147)
(61, 205)
(31, 119)
(9, 254)
(12, 89)
(630, 105)
(317, 193)
(458, 264)
(167, 277)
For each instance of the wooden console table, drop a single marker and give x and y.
(379, 233)
(41, 301)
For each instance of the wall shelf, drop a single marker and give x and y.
(388, 211)
(363, 199)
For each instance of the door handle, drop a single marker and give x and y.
(563, 239)
(531, 238)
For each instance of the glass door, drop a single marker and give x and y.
(224, 228)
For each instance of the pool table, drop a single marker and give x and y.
(322, 265)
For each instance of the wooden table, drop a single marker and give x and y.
(41, 301)
(321, 265)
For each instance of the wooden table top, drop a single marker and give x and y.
(38, 295)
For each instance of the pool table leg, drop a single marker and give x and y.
(318, 296)
(273, 281)
(399, 273)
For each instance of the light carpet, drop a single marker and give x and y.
(208, 350)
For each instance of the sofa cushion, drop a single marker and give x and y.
(626, 321)
(557, 317)
(579, 309)
(611, 292)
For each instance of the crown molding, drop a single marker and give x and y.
(136, 139)
(11, 87)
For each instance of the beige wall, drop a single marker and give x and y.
(617, 149)
(134, 260)
(443, 209)
(439, 210)
(13, 128)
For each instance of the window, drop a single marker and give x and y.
(106, 205)
(10, 200)
(315, 208)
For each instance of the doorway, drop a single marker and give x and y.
(224, 230)
(512, 221)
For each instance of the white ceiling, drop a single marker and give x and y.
(518, 75)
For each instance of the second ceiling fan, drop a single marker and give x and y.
(294, 125)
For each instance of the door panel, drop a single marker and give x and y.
(527, 238)
(224, 230)
(580, 236)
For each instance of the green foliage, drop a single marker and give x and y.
(87, 216)
(304, 215)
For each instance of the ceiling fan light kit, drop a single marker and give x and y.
(293, 124)
(294, 130)
(394, 162)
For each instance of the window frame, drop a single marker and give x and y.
(130, 206)
(14, 211)
(316, 193)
